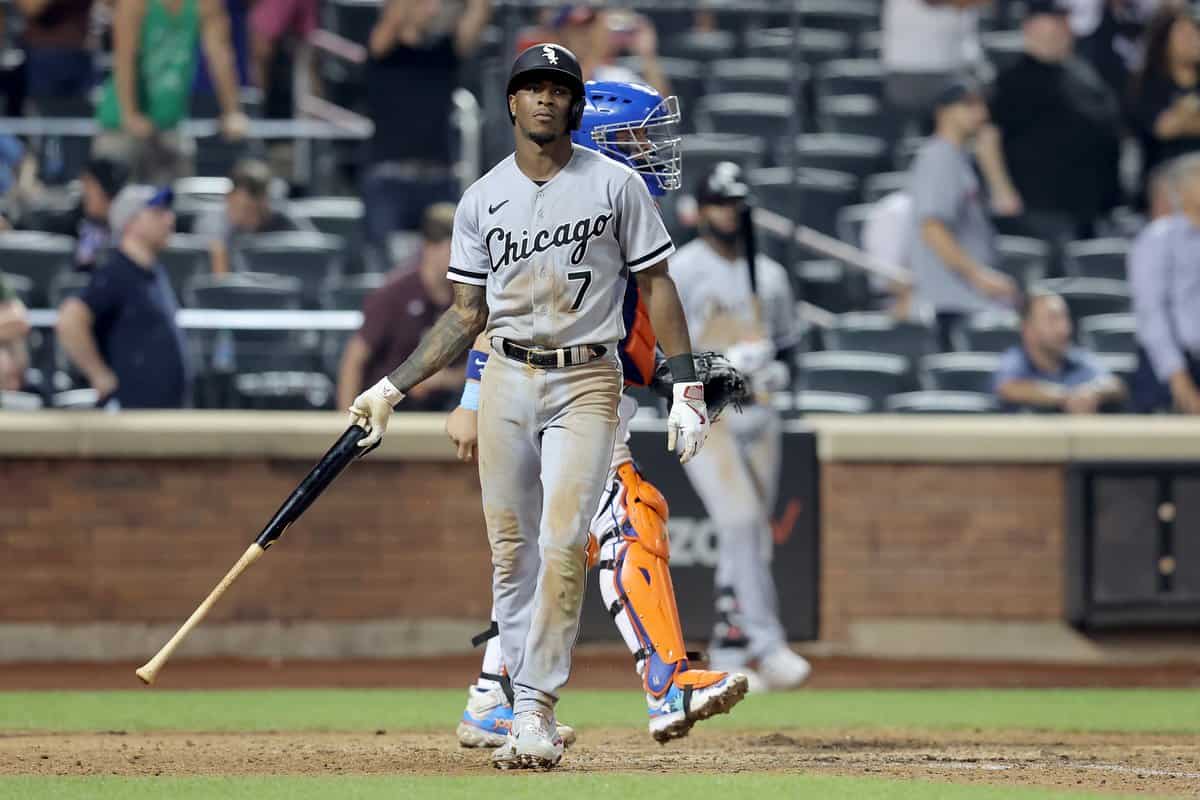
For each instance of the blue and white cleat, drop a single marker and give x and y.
(694, 695)
(488, 717)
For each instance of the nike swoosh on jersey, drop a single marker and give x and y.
(497, 207)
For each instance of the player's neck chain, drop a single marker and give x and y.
(503, 249)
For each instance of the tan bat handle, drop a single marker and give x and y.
(149, 671)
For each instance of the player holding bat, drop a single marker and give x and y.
(636, 126)
(542, 249)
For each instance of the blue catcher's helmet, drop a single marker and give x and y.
(636, 126)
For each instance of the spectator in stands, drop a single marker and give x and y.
(1164, 278)
(952, 240)
(410, 78)
(1045, 372)
(148, 95)
(599, 37)
(270, 22)
(248, 210)
(398, 314)
(1166, 93)
(205, 102)
(925, 44)
(1109, 35)
(1061, 131)
(58, 54)
(14, 328)
(99, 183)
(120, 331)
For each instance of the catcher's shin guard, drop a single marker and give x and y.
(642, 580)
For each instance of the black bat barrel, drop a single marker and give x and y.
(344, 450)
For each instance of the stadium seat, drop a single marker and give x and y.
(859, 156)
(829, 403)
(1097, 258)
(687, 80)
(75, 399)
(285, 391)
(746, 114)
(189, 209)
(1123, 365)
(904, 152)
(37, 256)
(348, 292)
(244, 291)
(314, 258)
(960, 372)
(337, 216)
(870, 44)
(849, 76)
(876, 187)
(703, 46)
(940, 403)
(776, 76)
(852, 17)
(1002, 48)
(185, 257)
(20, 285)
(1023, 259)
(990, 332)
(1089, 297)
(251, 350)
(67, 284)
(702, 151)
(20, 401)
(879, 332)
(1109, 333)
(810, 196)
(827, 283)
(850, 221)
(856, 114)
(872, 375)
(816, 46)
(202, 189)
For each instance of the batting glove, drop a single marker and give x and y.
(373, 408)
(688, 421)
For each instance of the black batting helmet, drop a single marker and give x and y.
(557, 63)
(723, 184)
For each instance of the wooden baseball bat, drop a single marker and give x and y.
(344, 450)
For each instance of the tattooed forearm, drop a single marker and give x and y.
(449, 337)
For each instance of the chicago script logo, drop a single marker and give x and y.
(504, 248)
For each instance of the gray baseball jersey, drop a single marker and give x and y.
(737, 472)
(556, 257)
(716, 298)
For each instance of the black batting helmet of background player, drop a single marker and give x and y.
(724, 183)
(556, 63)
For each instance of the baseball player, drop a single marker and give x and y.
(542, 249)
(750, 319)
(635, 125)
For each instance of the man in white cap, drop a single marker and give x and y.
(120, 330)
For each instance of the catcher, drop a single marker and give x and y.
(634, 125)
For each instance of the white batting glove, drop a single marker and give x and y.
(373, 408)
(688, 422)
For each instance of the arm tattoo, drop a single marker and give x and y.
(449, 337)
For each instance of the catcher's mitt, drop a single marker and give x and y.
(723, 384)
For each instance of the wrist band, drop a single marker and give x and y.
(475, 363)
(470, 396)
(683, 368)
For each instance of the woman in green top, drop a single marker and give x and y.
(154, 63)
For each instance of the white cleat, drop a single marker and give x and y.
(535, 743)
(487, 720)
(783, 669)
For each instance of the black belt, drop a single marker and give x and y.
(550, 359)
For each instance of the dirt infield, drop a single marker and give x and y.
(1145, 765)
(595, 668)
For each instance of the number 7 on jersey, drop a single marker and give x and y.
(584, 275)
